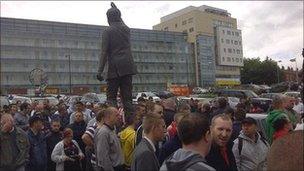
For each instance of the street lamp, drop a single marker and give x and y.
(278, 71)
(70, 76)
(295, 60)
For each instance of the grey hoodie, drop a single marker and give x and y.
(182, 160)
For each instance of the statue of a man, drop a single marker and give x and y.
(116, 54)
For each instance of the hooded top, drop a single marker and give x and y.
(183, 160)
(271, 118)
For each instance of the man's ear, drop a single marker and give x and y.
(208, 136)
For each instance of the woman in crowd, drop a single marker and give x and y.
(67, 154)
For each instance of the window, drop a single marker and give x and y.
(170, 67)
(190, 20)
(240, 59)
(184, 22)
(185, 31)
(233, 50)
(175, 25)
(232, 33)
(237, 59)
(222, 40)
(240, 43)
(229, 50)
(166, 28)
(238, 51)
(235, 42)
(191, 29)
(231, 41)
(232, 59)
(225, 50)
(229, 32)
(237, 33)
(227, 41)
(223, 31)
(228, 59)
(223, 58)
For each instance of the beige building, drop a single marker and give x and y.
(203, 22)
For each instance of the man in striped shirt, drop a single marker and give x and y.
(88, 139)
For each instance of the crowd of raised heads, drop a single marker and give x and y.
(163, 135)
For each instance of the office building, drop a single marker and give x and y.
(216, 41)
(68, 54)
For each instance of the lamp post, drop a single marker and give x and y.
(295, 60)
(70, 76)
(278, 70)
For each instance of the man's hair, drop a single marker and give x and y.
(192, 128)
(100, 115)
(222, 102)
(240, 114)
(151, 106)
(280, 123)
(150, 121)
(277, 102)
(24, 106)
(222, 116)
(179, 116)
(79, 102)
(183, 106)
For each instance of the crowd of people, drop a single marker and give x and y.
(165, 135)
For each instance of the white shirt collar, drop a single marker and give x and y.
(151, 143)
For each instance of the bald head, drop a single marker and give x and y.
(7, 122)
(111, 116)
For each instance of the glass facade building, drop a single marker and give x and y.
(161, 57)
(206, 60)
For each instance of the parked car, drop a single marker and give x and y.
(263, 103)
(3, 101)
(295, 94)
(51, 99)
(14, 98)
(270, 95)
(147, 95)
(90, 97)
(199, 90)
(164, 94)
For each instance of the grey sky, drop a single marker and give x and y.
(270, 28)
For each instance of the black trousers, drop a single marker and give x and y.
(124, 83)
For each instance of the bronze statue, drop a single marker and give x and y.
(117, 56)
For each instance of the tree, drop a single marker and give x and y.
(260, 72)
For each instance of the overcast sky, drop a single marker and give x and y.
(269, 28)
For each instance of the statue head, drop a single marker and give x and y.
(113, 14)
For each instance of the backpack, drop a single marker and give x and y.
(240, 145)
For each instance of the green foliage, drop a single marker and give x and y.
(260, 72)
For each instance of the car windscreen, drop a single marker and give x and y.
(251, 94)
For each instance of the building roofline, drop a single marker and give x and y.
(203, 8)
(65, 23)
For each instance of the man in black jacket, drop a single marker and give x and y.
(116, 55)
(52, 139)
(221, 156)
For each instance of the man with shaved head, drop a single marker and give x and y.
(107, 147)
(14, 145)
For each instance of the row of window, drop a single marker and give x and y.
(184, 22)
(237, 51)
(222, 23)
(229, 59)
(229, 32)
(229, 41)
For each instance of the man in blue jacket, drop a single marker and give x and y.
(38, 148)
